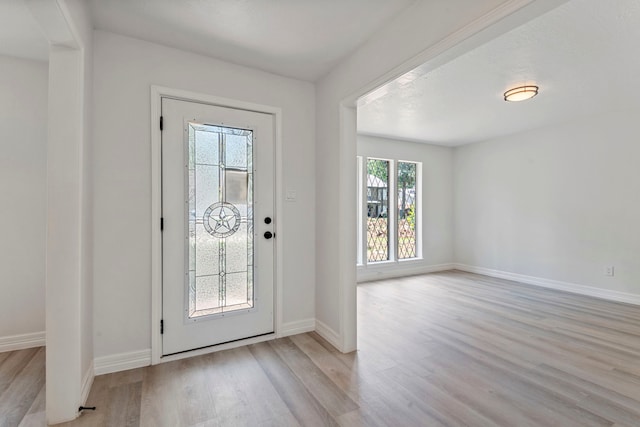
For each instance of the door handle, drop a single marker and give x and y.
(268, 235)
(267, 220)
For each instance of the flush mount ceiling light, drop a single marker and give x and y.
(521, 93)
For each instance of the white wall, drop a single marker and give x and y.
(64, 234)
(23, 148)
(67, 27)
(125, 68)
(558, 203)
(436, 227)
(412, 33)
(83, 29)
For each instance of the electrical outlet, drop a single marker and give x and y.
(608, 271)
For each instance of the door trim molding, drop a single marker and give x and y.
(157, 93)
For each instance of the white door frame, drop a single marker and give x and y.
(157, 93)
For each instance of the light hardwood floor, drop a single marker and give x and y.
(445, 349)
(22, 388)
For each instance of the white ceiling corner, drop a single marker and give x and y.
(581, 54)
(20, 35)
(303, 39)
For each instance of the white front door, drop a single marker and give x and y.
(218, 225)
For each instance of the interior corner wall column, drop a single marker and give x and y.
(66, 25)
(348, 299)
(64, 215)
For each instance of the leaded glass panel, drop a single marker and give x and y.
(377, 210)
(406, 184)
(220, 219)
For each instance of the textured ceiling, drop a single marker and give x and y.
(20, 35)
(297, 38)
(583, 55)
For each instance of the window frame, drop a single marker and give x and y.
(392, 213)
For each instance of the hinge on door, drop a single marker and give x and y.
(162, 326)
(161, 224)
(161, 123)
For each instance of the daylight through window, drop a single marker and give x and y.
(391, 234)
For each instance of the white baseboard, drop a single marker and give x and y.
(122, 362)
(554, 284)
(297, 327)
(87, 382)
(328, 334)
(395, 270)
(22, 341)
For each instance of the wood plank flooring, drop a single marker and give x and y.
(22, 375)
(444, 349)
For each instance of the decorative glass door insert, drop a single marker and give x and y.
(218, 263)
(220, 220)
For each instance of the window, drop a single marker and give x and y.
(406, 180)
(377, 210)
(385, 233)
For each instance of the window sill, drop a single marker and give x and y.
(396, 269)
(390, 264)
